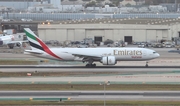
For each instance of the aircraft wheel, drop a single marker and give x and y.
(87, 65)
(146, 64)
(90, 65)
(93, 65)
(11, 47)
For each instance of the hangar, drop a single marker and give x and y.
(128, 29)
(18, 25)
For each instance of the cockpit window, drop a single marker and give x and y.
(154, 52)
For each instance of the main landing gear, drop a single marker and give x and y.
(146, 64)
(90, 65)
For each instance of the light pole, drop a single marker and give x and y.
(156, 39)
(104, 84)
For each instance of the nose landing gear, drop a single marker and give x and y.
(146, 64)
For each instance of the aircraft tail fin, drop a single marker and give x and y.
(34, 41)
(37, 44)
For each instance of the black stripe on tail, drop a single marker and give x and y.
(36, 46)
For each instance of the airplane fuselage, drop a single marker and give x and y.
(4, 40)
(120, 54)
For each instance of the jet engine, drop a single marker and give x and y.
(1, 42)
(109, 60)
(18, 44)
(12, 45)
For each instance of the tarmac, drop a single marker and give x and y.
(160, 75)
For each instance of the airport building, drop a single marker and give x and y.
(128, 30)
(24, 4)
(125, 29)
(100, 27)
(74, 16)
(19, 4)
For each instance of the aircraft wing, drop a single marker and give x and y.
(84, 56)
(11, 44)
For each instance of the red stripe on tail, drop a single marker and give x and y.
(47, 50)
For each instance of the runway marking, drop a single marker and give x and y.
(72, 66)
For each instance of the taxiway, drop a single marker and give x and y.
(96, 95)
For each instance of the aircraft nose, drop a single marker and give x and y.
(157, 55)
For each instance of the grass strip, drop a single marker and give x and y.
(51, 73)
(18, 62)
(54, 74)
(125, 87)
(92, 103)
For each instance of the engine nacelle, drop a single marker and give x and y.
(12, 45)
(109, 60)
(18, 44)
(1, 42)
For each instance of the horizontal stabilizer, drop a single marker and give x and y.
(32, 52)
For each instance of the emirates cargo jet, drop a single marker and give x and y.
(106, 56)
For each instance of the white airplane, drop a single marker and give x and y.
(9, 40)
(107, 56)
